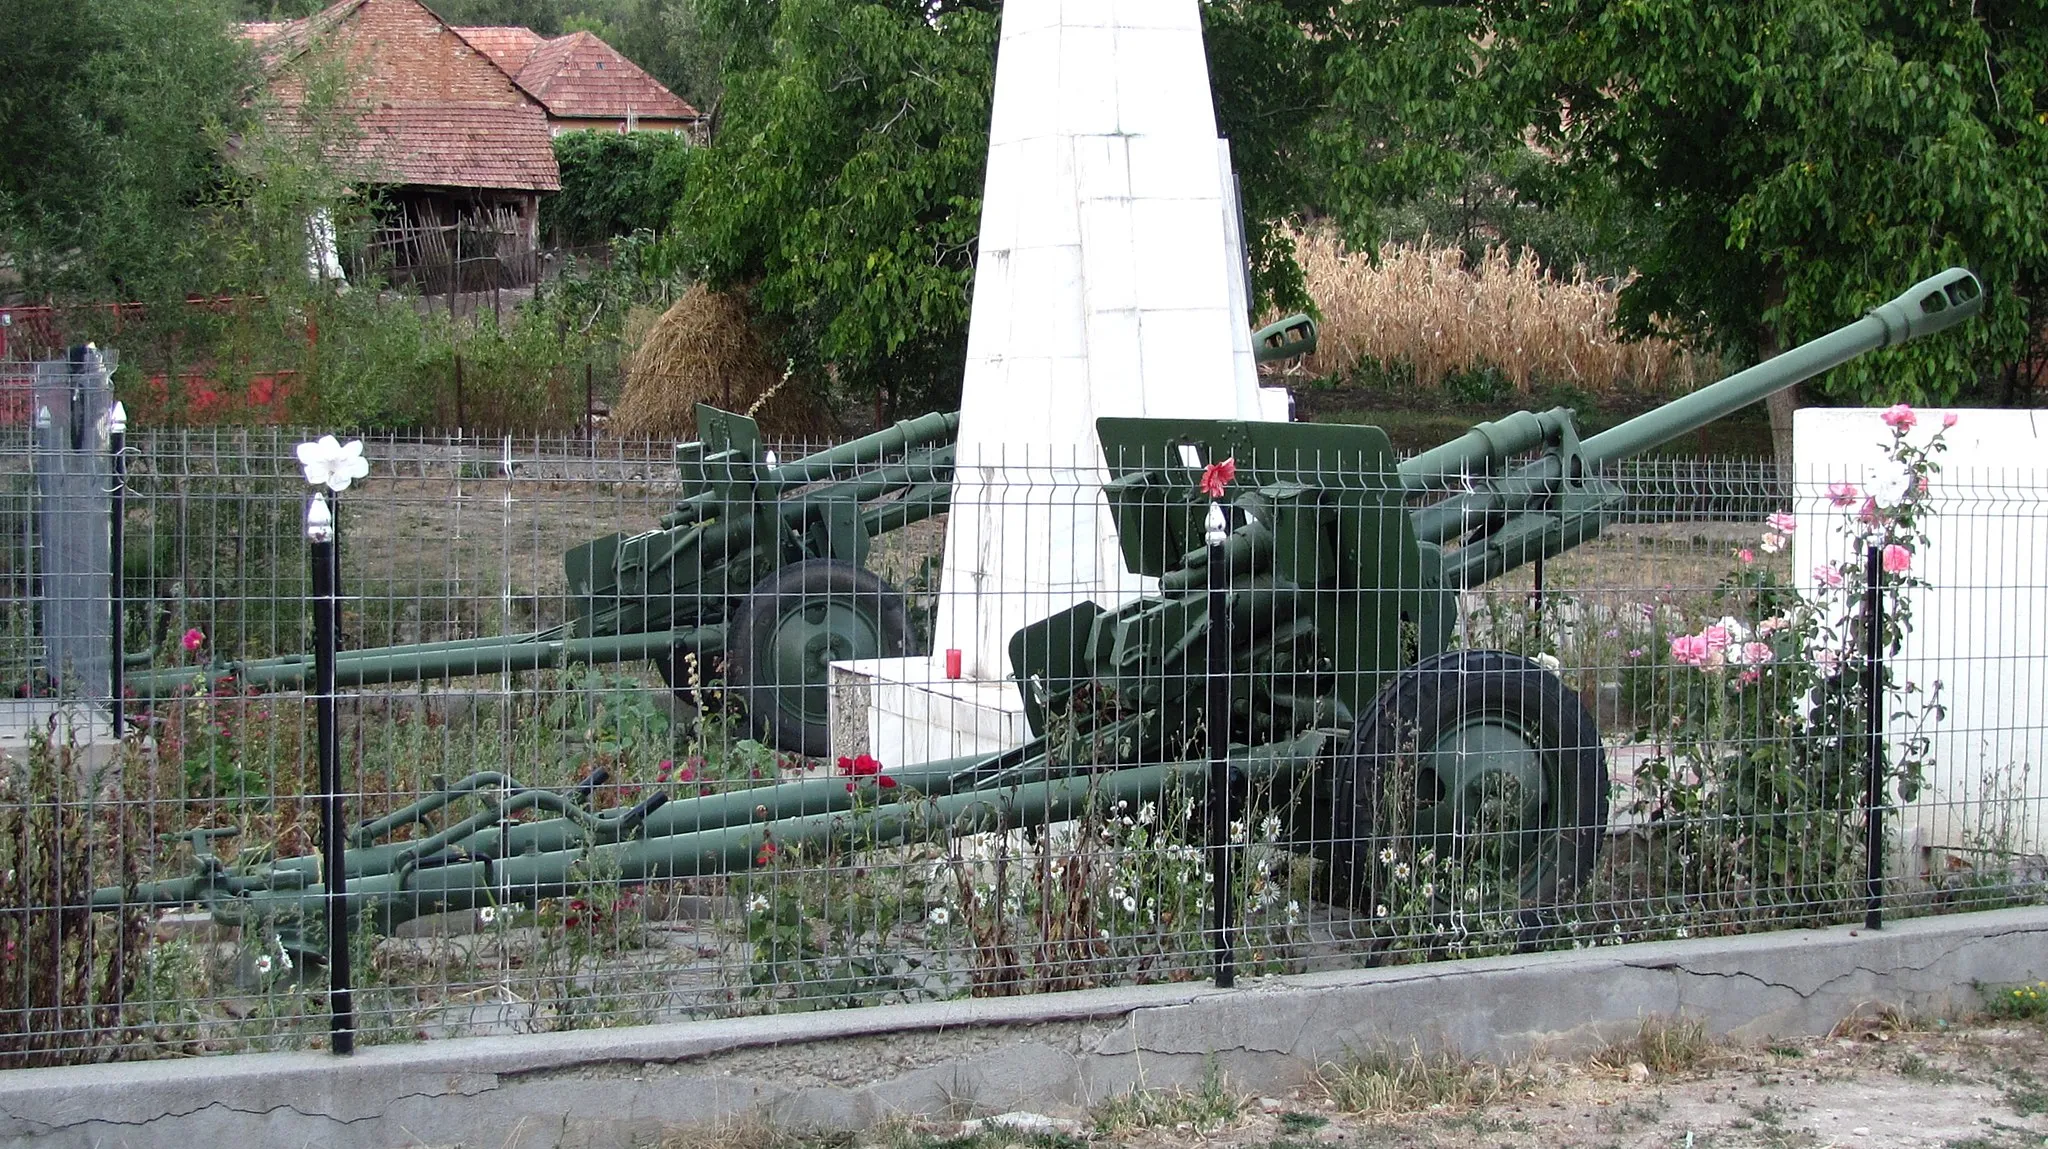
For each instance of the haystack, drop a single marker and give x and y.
(704, 349)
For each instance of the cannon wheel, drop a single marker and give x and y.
(1472, 754)
(793, 625)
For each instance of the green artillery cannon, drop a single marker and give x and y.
(1347, 713)
(759, 571)
(760, 562)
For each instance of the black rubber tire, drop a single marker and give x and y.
(1436, 698)
(777, 710)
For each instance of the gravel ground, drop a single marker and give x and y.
(1981, 1086)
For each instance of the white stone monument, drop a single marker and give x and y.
(1110, 281)
(1980, 629)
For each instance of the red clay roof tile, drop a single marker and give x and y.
(508, 47)
(581, 76)
(436, 110)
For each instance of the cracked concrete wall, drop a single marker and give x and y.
(1054, 1053)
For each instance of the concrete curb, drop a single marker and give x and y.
(1053, 1053)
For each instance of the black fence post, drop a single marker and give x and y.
(1217, 712)
(1873, 766)
(117, 544)
(320, 532)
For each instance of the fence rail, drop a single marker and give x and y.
(1666, 744)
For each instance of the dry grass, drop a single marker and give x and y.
(1665, 1046)
(1388, 1082)
(704, 349)
(1421, 307)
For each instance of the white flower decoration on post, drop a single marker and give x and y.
(328, 463)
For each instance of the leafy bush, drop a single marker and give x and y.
(614, 184)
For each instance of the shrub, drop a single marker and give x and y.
(614, 184)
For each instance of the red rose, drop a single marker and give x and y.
(1217, 476)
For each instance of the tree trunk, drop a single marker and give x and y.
(1780, 405)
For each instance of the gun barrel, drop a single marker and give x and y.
(937, 427)
(721, 834)
(378, 665)
(1477, 452)
(1933, 304)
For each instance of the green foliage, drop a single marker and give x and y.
(63, 826)
(2019, 1002)
(381, 361)
(1785, 165)
(614, 184)
(1269, 68)
(116, 111)
(275, 9)
(543, 16)
(1517, 199)
(843, 189)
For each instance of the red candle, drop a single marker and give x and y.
(952, 664)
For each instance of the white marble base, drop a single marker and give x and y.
(905, 711)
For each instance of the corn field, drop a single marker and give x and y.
(1422, 308)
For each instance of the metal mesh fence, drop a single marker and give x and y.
(725, 761)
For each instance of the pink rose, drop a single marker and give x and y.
(1897, 559)
(1900, 418)
(1780, 523)
(1756, 653)
(194, 639)
(1842, 494)
(1689, 649)
(1716, 638)
(1828, 575)
(1948, 420)
(1745, 556)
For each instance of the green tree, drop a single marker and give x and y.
(276, 9)
(843, 188)
(614, 184)
(1786, 163)
(117, 112)
(543, 16)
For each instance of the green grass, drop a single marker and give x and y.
(1302, 1122)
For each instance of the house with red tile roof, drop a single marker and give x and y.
(460, 152)
(583, 82)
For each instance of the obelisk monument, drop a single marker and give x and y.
(1110, 280)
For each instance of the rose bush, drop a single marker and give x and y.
(1757, 791)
